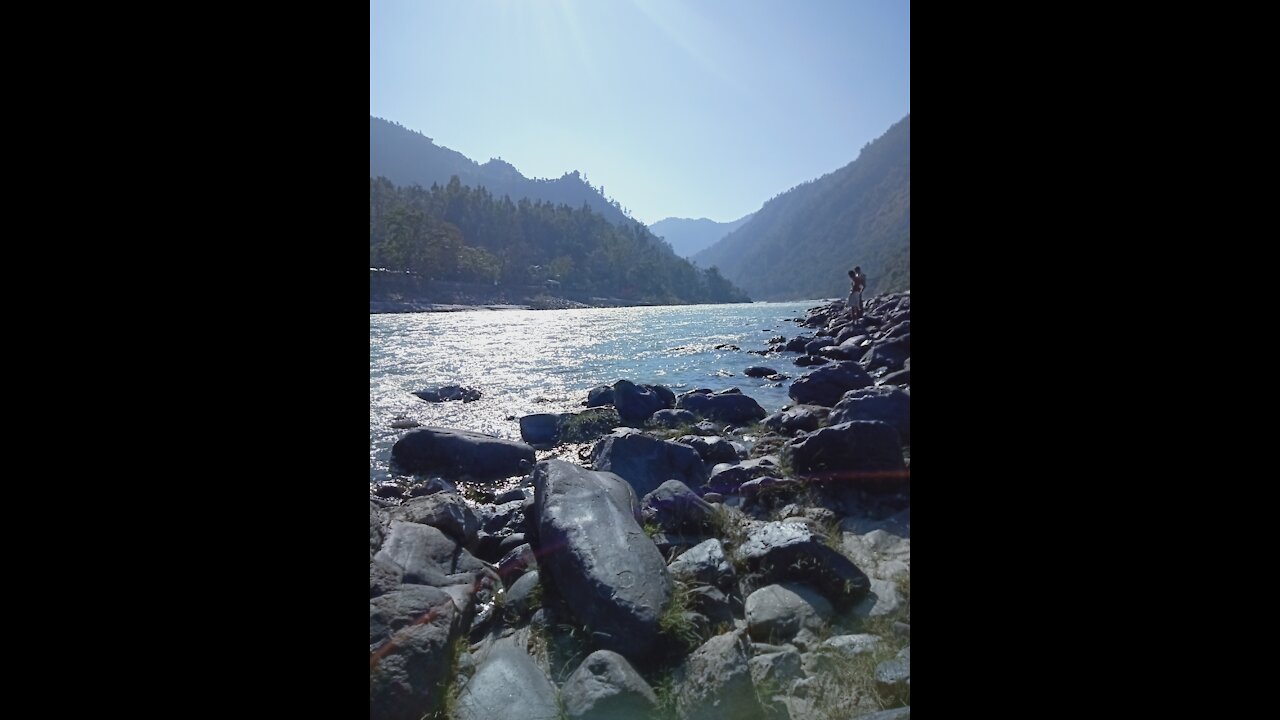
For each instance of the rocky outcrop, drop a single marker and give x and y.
(458, 453)
(593, 550)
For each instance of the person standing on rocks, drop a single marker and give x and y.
(857, 282)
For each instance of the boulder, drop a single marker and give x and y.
(518, 601)
(429, 557)
(671, 418)
(411, 636)
(445, 511)
(635, 403)
(715, 681)
(800, 417)
(675, 508)
(861, 454)
(449, 392)
(725, 406)
(807, 360)
(759, 371)
(541, 428)
(647, 462)
(459, 452)
(707, 564)
(797, 344)
(712, 450)
(887, 404)
(594, 552)
(776, 613)
(888, 354)
(826, 385)
(507, 684)
(599, 395)
(902, 377)
(606, 687)
(775, 552)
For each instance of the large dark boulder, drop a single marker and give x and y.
(675, 508)
(808, 360)
(826, 385)
(541, 428)
(606, 687)
(507, 684)
(797, 344)
(781, 551)
(725, 407)
(549, 429)
(411, 635)
(449, 392)
(599, 395)
(597, 556)
(885, 403)
(672, 418)
(712, 450)
(635, 403)
(459, 452)
(647, 462)
(759, 371)
(888, 354)
(864, 454)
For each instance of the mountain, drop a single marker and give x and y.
(802, 243)
(406, 157)
(689, 236)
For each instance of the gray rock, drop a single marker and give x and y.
(798, 343)
(445, 511)
(672, 418)
(808, 360)
(599, 395)
(507, 684)
(635, 403)
(429, 557)
(826, 385)
(606, 687)
(449, 392)
(895, 675)
(775, 613)
(411, 636)
(902, 713)
(901, 377)
(519, 598)
(882, 598)
(516, 562)
(712, 450)
(384, 576)
(759, 371)
(779, 551)
(597, 556)
(376, 529)
(850, 645)
(715, 681)
(777, 670)
(727, 478)
(889, 354)
(707, 564)
(862, 454)
(724, 406)
(458, 452)
(801, 417)
(887, 404)
(647, 462)
(541, 428)
(676, 508)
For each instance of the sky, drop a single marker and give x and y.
(678, 108)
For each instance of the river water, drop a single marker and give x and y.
(536, 361)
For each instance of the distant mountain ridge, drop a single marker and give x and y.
(802, 243)
(406, 158)
(688, 237)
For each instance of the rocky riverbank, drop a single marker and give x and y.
(659, 555)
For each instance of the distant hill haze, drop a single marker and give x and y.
(688, 237)
(802, 243)
(406, 158)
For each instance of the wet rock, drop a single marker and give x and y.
(759, 371)
(389, 490)
(635, 403)
(606, 687)
(596, 555)
(797, 344)
(458, 452)
(403, 423)
(807, 360)
(599, 395)
(449, 392)
(541, 428)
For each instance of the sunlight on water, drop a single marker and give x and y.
(526, 361)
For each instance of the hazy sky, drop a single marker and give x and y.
(679, 108)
